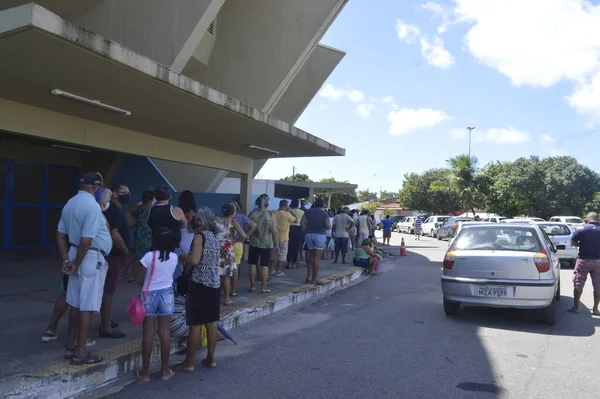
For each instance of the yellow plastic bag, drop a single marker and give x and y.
(203, 336)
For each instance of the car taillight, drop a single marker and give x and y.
(542, 262)
(454, 225)
(413, 225)
(449, 260)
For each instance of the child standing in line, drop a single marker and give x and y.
(156, 276)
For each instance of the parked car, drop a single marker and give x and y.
(569, 220)
(407, 225)
(560, 235)
(495, 219)
(521, 220)
(448, 228)
(432, 224)
(513, 266)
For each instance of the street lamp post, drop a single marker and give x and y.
(470, 129)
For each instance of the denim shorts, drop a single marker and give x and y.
(316, 241)
(160, 302)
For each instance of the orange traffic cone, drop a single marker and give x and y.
(403, 251)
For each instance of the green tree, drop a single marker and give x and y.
(340, 199)
(431, 191)
(386, 195)
(297, 177)
(593, 205)
(366, 195)
(371, 207)
(464, 178)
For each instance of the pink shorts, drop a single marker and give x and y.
(583, 267)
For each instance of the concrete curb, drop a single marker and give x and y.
(63, 380)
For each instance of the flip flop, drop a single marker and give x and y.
(280, 274)
(252, 290)
(235, 294)
(209, 365)
(229, 304)
(572, 311)
(141, 378)
(168, 377)
(87, 359)
(265, 291)
(69, 353)
(181, 368)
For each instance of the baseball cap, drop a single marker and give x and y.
(91, 179)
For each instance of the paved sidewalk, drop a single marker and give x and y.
(29, 284)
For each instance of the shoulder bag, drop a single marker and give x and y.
(136, 309)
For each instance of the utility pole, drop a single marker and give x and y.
(470, 128)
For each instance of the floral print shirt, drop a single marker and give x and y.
(263, 236)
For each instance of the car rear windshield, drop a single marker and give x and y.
(509, 238)
(573, 220)
(556, 229)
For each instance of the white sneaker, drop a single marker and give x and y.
(49, 336)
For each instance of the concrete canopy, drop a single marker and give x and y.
(47, 52)
(300, 189)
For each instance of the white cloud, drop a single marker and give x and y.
(435, 53)
(441, 13)
(406, 32)
(508, 135)
(586, 97)
(547, 139)
(407, 120)
(548, 144)
(539, 43)
(365, 111)
(334, 94)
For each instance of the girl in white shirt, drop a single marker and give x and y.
(157, 275)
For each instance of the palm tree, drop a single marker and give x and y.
(464, 179)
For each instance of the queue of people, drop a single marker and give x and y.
(185, 250)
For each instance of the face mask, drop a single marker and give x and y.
(153, 202)
(105, 206)
(124, 199)
(98, 195)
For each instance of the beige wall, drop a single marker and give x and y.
(158, 29)
(321, 63)
(17, 150)
(261, 45)
(41, 123)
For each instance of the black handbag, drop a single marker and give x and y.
(183, 282)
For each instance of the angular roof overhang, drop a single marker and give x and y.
(43, 52)
(299, 189)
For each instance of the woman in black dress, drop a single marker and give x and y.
(204, 291)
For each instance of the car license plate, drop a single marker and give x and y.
(492, 291)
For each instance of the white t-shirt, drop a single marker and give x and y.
(328, 232)
(163, 271)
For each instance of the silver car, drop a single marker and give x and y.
(560, 235)
(502, 265)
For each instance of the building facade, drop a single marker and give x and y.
(183, 92)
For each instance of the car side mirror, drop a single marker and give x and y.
(561, 247)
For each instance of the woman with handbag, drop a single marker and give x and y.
(158, 299)
(202, 285)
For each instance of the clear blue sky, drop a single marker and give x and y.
(525, 73)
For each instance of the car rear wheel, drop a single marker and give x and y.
(557, 296)
(451, 308)
(549, 313)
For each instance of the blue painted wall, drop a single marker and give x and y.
(138, 173)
